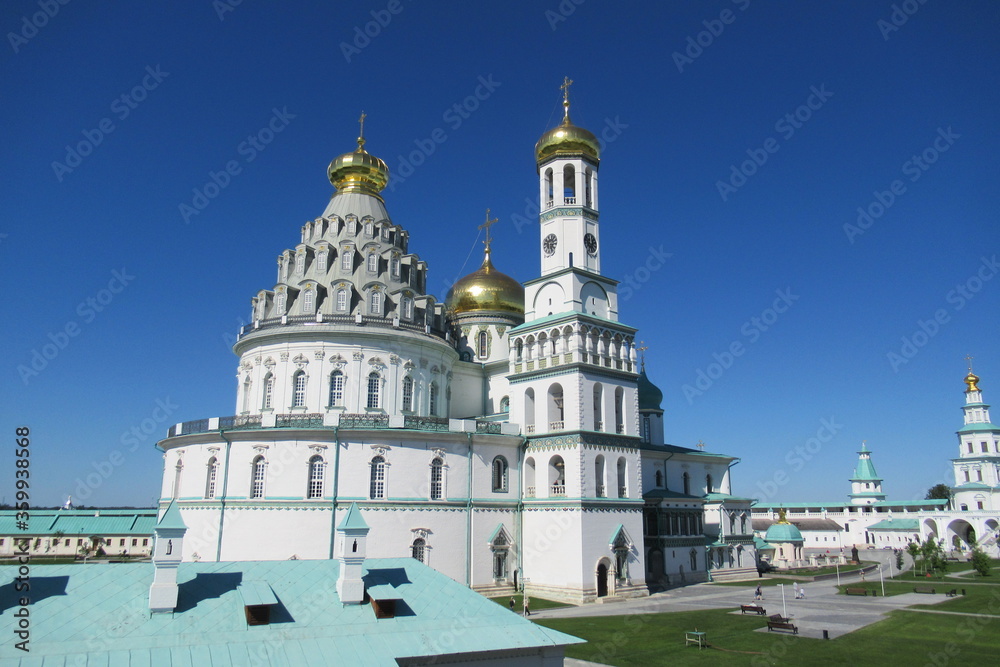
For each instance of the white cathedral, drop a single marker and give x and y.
(508, 437)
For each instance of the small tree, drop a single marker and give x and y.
(981, 563)
(938, 492)
(913, 548)
(899, 561)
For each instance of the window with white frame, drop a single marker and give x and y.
(394, 266)
(376, 480)
(433, 399)
(499, 475)
(342, 300)
(308, 302)
(372, 263)
(299, 389)
(369, 229)
(336, 388)
(321, 261)
(501, 549)
(375, 302)
(268, 391)
(317, 468)
(437, 479)
(300, 263)
(418, 548)
(210, 477)
(257, 477)
(346, 258)
(374, 390)
(483, 346)
(246, 394)
(279, 303)
(407, 308)
(407, 394)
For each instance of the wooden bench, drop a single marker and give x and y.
(924, 589)
(695, 637)
(856, 591)
(777, 618)
(744, 608)
(952, 593)
(782, 625)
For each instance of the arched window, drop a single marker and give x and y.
(372, 263)
(694, 560)
(433, 399)
(687, 484)
(346, 260)
(659, 478)
(619, 410)
(500, 548)
(257, 477)
(556, 407)
(483, 344)
(299, 389)
(598, 406)
(548, 187)
(407, 308)
(708, 484)
(519, 347)
(529, 477)
(417, 549)
(308, 301)
(268, 391)
(336, 388)
(622, 477)
(505, 404)
(437, 479)
(210, 477)
(588, 175)
(375, 302)
(407, 394)
(569, 184)
(317, 468)
(374, 389)
(342, 301)
(246, 394)
(557, 476)
(394, 266)
(376, 480)
(599, 482)
(499, 475)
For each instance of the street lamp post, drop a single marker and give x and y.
(881, 578)
(784, 612)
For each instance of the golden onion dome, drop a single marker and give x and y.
(359, 171)
(567, 139)
(486, 290)
(972, 380)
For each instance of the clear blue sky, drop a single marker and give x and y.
(676, 124)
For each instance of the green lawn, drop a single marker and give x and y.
(977, 600)
(534, 604)
(904, 638)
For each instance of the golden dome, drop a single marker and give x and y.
(486, 290)
(972, 380)
(567, 139)
(359, 171)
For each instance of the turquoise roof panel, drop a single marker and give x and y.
(256, 593)
(976, 428)
(171, 519)
(120, 630)
(907, 525)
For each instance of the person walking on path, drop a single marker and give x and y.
(758, 595)
(512, 603)
(527, 612)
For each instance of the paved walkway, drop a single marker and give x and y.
(823, 609)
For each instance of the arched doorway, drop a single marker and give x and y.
(602, 580)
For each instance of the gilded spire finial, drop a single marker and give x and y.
(486, 225)
(968, 359)
(782, 515)
(700, 445)
(567, 82)
(361, 135)
(642, 354)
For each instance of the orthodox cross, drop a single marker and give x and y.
(969, 359)
(486, 225)
(567, 82)
(701, 445)
(361, 136)
(642, 353)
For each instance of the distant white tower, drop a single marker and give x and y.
(866, 485)
(352, 536)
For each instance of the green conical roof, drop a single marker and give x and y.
(783, 532)
(353, 519)
(171, 519)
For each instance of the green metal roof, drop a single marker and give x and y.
(82, 522)
(567, 316)
(724, 497)
(972, 486)
(783, 532)
(905, 525)
(353, 519)
(975, 428)
(865, 472)
(761, 544)
(650, 395)
(99, 614)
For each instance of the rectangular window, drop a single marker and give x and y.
(321, 262)
(345, 259)
(984, 447)
(299, 393)
(135, 542)
(145, 542)
(336, 388)
(121, 543)
(437, 482)
(408, 394)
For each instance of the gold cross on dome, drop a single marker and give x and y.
(700, 445)
(642, 353)
(486, 225)
(567, 82)
(969, 359)
(361, 136)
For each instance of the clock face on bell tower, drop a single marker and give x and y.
(549, 244)
(590, 243)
